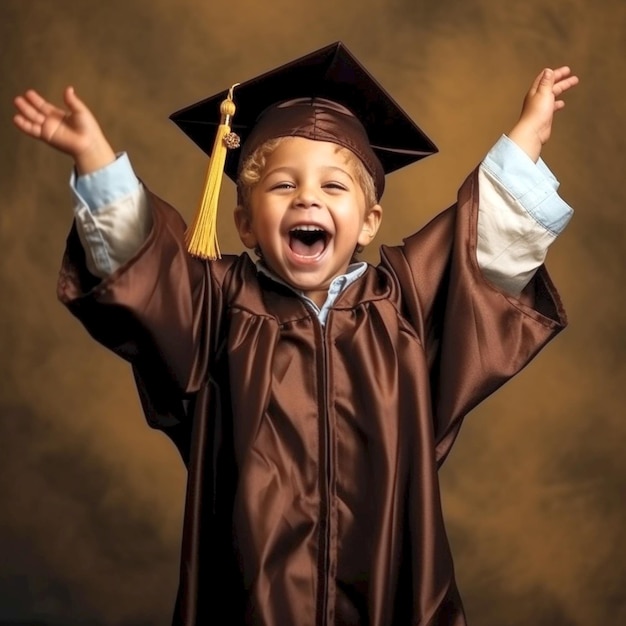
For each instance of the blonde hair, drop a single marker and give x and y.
(254, 165)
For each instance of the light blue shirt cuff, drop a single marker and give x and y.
(105, 186)
(532, 184)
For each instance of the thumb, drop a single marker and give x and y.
(73, 102)
(547, 80)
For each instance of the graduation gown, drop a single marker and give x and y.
(312, 451)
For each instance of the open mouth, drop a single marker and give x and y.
(308, 241)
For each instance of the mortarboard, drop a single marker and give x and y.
(325, 95)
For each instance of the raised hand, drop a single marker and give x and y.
(543, 99)
(73, 130)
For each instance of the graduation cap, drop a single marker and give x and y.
(326, 95)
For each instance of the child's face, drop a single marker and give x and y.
(307, 214)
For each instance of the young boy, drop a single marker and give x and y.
(313, 397)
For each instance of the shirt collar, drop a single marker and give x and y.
(336, 287)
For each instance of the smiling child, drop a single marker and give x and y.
(313, 397)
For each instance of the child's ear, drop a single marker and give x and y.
(370, 225)
(243, 222)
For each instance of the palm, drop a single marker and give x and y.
(63, 130)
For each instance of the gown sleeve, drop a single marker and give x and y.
(161, 311)
(475, 336)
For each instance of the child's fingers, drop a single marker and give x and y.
(563, 79)
(41, 105)
(546, 80)
(27, 110)
(36, 101)
(536, 82)
(562, 72)
(550, 76)
(27, 126)
(565, 84)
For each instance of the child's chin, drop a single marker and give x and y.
(305, 281)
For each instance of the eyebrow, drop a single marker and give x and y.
(290, 170)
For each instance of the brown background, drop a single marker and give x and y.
(534, 491)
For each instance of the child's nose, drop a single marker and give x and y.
(307, 197)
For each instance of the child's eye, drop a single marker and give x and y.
(335, 185)
(283, 185)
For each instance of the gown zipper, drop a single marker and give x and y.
(326, 478)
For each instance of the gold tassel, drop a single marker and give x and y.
(201, 236)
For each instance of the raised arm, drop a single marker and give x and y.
(111, 210)
(73, 130)
(521, 213)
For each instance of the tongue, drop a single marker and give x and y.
(306, 249)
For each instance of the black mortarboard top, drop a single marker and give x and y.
(332, 73)
(307, 97)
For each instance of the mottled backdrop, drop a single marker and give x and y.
(91, 499)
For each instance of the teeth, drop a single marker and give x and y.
(307, 227)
